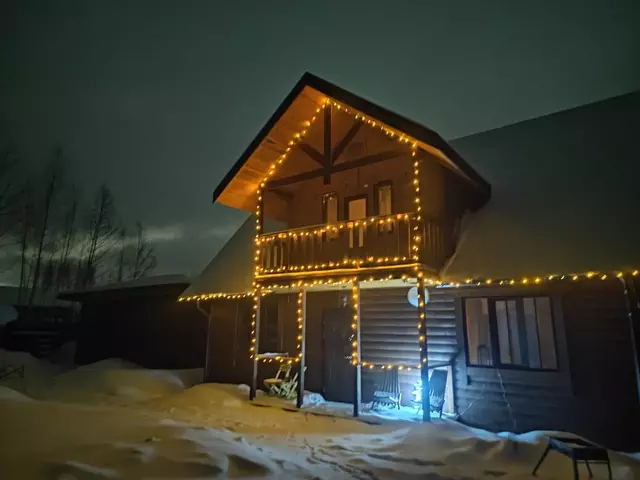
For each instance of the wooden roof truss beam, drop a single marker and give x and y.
(341, 167)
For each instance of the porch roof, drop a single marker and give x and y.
(238, 187)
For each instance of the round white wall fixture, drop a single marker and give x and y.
(412, 296)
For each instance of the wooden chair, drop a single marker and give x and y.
(273, 384)
(283, 385)
(389, 392)
(437, 387)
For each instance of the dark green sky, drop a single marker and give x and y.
(159, 98)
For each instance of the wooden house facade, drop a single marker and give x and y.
(352, 207)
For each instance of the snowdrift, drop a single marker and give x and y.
(116, 420)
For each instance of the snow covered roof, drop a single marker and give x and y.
(231, 270)
(564, 195)
(143, 282)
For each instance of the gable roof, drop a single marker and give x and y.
(564, 195)
(238, 186)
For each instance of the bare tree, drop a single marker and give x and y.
(68, 237)
(10, 194)
(53, 181)
(145, 259)
(26, 227)
(121, 256)
(101, 234)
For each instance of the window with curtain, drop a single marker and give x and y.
(383, 199)
(514, 332)
(330, 212)
(330, 208)
(383, 204)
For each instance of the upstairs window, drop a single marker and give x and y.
(330, 212)
(510, 333)
(330, 208)
(383, 197)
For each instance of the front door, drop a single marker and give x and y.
(338, 372)
(356, 210)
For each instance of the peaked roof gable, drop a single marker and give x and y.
(238, 186)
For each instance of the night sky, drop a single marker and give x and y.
(159, 98)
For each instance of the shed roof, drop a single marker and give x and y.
(238, 187)
(565, 195)
(157, 282)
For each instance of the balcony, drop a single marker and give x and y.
(391, 240)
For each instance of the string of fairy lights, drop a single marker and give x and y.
(332, 228)
(514, 282)
(355, 303)
(347, 262)
(254, 329)
(301, 313)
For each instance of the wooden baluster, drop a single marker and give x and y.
(290, 245)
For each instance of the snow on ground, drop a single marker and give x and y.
(115, 420)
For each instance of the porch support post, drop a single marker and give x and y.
(209, 315)
(302, 340)
(424, 358)
(355, 360)
(255, 342)
(208, 346)
(633, 312)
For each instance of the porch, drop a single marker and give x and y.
(315, 404)
(345, 340)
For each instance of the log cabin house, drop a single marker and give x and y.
(353, 205)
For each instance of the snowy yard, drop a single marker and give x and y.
(115, 420)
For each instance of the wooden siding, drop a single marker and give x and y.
(153, 331)
(317, 303)
(229, 336)
(593, 392)
(389, 335)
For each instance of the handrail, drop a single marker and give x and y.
(328, 227)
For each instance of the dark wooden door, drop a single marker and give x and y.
(338, 372)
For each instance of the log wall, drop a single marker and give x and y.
(592, 394)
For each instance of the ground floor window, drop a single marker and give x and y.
(512, 332)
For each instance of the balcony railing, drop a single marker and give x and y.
(389, 240)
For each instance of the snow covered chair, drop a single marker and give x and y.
(389, 392)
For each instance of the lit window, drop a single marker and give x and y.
(510, 332)
(330, 208)
(383, 197)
